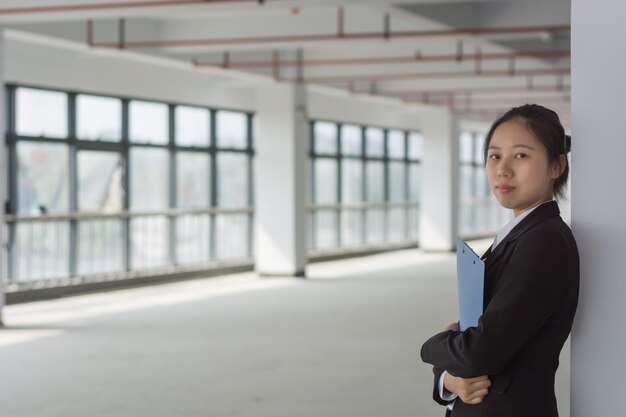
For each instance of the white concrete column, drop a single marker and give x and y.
(3, 175)
(280, 180)
(598, 368)
(440, 178)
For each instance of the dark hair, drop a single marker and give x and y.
(547, 128)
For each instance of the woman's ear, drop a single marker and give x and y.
(558, 167)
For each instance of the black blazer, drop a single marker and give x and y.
(530, 298)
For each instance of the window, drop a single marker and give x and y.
(100, 181)
(148, 122)
(479, 212)
(98, 118)
(43, 181)
(193, 126)
(151, 193)
(363, 198)
(41, 113)
(232, 128)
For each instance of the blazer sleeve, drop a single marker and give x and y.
(438, 371)
(533, 284)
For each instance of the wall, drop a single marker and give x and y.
(598, 200)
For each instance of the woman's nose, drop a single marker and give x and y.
(503, 172)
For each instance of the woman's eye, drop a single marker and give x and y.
(521, 155)
(493, 156)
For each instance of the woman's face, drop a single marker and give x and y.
(517, 168)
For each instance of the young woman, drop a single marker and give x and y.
(506, 365)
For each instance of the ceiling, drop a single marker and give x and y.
(477, 57)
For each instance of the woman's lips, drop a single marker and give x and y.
(505, 189)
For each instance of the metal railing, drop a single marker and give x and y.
(56, 248)
(481, 217)
(360, 226)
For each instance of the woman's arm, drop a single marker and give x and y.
(534, 283)
(469, 390)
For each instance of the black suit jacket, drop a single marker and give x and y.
(530, 298)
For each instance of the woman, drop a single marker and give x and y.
(506, 365)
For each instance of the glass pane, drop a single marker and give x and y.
(351, 140)
(232, 180)
(397, 217)
(41, 251)
(351, 181)
(413, 223)
(481, 216)
(192, 126)
(42, 178)
(465, 218)
(149, 179)
(351, 228)
(482, 186)
(375, 182)
(325, 135)
(325, 181)
(148, 122)
(193, 234)
(416, 145)
(326, 232)
(98, 118)
(466, 152)
(467, 182)
(232, 236)
(375, 225)
(149, 242)
(478, 154)
(397, 190)
(100, 247)
(100, 181)
(415, 178)
(395, 144)
(232, 129)
(374, 142)
(41, 113)
(193, 179)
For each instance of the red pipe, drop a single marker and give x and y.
(477, 90)
(334, 37)
(394, 60)
(428, 75)
(486, 101)
(90, 32)
(116, 5)
(340, 22)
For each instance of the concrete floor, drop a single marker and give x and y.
(344, 342)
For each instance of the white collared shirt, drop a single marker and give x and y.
(444, 394)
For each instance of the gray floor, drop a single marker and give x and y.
(344, 342)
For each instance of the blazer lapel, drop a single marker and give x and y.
(541, 213)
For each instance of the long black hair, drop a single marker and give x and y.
(547, 128)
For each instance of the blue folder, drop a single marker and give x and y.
(471, 282)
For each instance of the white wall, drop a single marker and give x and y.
(39, 61)
(598, 201)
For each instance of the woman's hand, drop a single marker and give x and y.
(471, 390)
(452, 326)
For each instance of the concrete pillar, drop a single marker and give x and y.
(598, 368)
(440, 178)
(280, 180)
(3, 175)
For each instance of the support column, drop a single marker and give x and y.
(598, 200)
(440, 178)
(3, 175)
(280, 178)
